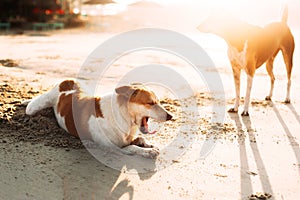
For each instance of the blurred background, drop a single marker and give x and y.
(122, 15)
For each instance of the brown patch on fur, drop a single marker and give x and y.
(126, 90)
(137, 94)
(85, 107)
(144, 97)
(67, 85)
(98, 110)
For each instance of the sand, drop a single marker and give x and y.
(256, 157)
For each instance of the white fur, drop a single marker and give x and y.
(60, 120)
(46, 100)
(238, 57)
(116, 124)
(248, 91)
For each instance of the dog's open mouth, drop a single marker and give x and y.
(144, 126)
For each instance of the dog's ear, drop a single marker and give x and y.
(126, 91)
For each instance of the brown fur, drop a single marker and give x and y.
(87, 106)
(259, 45)
(137, 94)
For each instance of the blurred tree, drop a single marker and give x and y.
(32, 10)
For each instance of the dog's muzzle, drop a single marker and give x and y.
(144, 124)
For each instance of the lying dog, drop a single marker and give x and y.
(251, 46)
(109, 120)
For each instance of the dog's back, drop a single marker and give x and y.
(66, 100)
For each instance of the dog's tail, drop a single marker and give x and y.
(285, 13)
(45, 100)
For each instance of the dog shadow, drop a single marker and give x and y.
(79, 174)
(90, 179)
(290, 136)
(246, 184)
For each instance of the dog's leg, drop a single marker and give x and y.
(140, 147)
(247, 98)
(288, 59)
(269, 66)
(45, 100)
(145, 152)
(141, 142)
(237, 76)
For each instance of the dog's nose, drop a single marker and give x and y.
(169, 117)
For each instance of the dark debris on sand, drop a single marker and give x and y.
(8, 63)
(260, 196)
(16, 126)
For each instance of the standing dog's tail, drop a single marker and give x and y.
(285, 13)
(45, 100)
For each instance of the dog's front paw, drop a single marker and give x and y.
(232, 110)
(287, 101)
(245, 113)
(268, 98)
(151, 153)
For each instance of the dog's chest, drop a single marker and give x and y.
(237, 57)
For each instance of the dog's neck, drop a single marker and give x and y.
(236, 33)
(120, 112)
(118, 121)
(123, 108)
(125, 120)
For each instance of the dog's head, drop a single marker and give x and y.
(142, 104)
(224, 25)
(218, 23)
(208, 25)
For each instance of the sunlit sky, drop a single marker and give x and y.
(220, 2)
(229, 5)
(259, 12)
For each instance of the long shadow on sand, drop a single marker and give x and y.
(291, 138)
(246, 185)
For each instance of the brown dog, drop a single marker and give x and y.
(251, 46)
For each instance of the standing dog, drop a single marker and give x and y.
(109, 120)
(251, 46)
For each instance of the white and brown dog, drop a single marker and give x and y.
(251, 46)
(109, 120)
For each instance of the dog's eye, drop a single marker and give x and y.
(151, 103)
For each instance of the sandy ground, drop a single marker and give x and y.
(257, 155)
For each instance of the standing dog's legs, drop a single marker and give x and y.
(247, 97)
(269, 66)
(250, 71)
(288, 59)
(237, 76)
